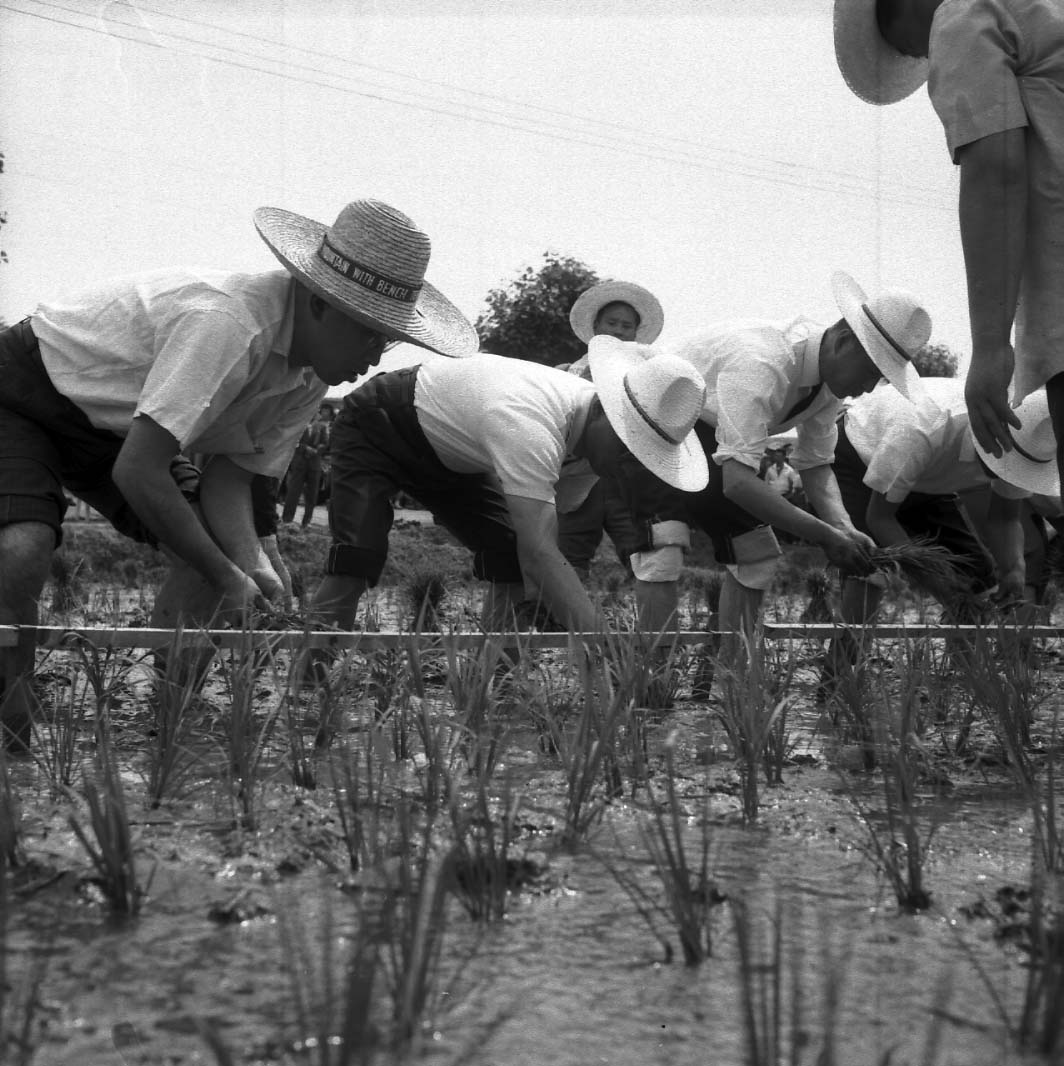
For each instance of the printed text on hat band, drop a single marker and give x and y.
(644, 416)
(364, 276)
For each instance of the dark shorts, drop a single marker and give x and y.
(379, 449)
(649, 499)
(264, 492)
(48, 444)
(940, 518)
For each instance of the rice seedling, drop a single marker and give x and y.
(247, 732)
(691, 895)
(929, 566)
(470, 687)
(443, 744)
(480, 862)
(898, 837)
(426, 589)
(753, 711)
(413, 918)
(172, 760)
(66, 586)
(110, 846)
(58, 729)
(590, 756)
(359, 780)
(331, 978)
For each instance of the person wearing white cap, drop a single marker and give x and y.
(995, 77)
(628, 312)
(910, 470)
(481, 443)
(762, 380)
(101, 389)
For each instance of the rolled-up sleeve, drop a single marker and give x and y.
(974, 52)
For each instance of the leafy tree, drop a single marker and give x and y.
(936, 361)
(529, 318)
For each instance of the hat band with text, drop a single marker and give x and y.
(644, 416)
(364, 276)
(885, 335)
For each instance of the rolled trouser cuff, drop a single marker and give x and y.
(660, 564)
(758, 576)
(345, 560)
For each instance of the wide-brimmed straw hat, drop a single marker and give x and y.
(875, 70)
(652, 402)
(892, 328)
(1032, 462)
(588, 304)
(370, 263)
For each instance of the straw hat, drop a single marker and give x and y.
(875, 70)
(370, 263)
(1032, 462)
(591, 301)
(652, 403)
(892, 328)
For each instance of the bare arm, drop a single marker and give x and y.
(225, 499)
(843, 544)
(142, 474)
(1003, 534)
(993, 219)
(882, 519)
(544, 566)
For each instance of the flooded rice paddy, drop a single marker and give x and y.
(258, 938)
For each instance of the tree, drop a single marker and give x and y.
(936, 361)
(529, 318)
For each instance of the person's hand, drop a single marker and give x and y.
(269, 584)
(986, 391)
(849, 550)
(241, 596)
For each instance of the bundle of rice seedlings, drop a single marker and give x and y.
(818, 588)
(930, 566)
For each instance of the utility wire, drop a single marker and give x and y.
(513, 123)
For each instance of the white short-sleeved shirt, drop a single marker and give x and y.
(203, 354)
(922, 446)
(512, 418)
(997, 65)
(755, 373)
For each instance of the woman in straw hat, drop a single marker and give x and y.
(628, 312)
(481, 442)
(99, 390)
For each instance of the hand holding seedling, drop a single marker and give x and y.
(850, 550)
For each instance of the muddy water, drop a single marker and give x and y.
(573, 975)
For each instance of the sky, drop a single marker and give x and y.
(707, 150)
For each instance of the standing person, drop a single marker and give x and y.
(780, 476)
(481, 443)
(101, 389)
(761, 380)
(305, 470)
(628, 312)
(995, 73)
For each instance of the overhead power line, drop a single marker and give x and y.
(595, 134)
